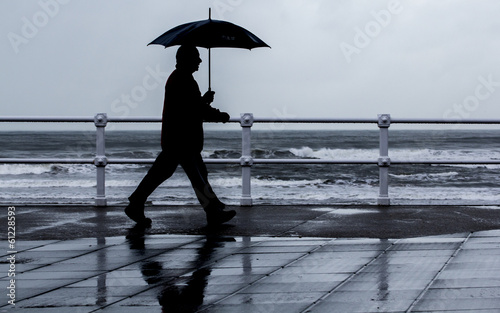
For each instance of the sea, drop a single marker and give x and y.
(276, 184)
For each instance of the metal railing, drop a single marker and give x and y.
(383, 121)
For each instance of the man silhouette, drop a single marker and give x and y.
(184, 112)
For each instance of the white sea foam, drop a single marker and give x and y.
(121, 183)
(304, 152)
(332, 154)
(207, 154)
(488, 166)
(54, 169)
(425, 176)
(37, 169)
(396, 154)
(20, 169)
(46, 183)
(236, 181)
(445, 193)
(261, 192)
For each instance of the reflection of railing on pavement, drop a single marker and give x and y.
(247, 161)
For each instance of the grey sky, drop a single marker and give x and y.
(425, 58)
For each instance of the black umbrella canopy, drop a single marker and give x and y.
(210, 34)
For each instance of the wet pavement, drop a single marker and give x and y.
(212, 273)
(229, 270)
(334, 221)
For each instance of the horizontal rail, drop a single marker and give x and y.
(149, 119)
(134, 119)
(108, 161)
(443, 121)
(375, 120)
(317, 120)
(317, 161)
(151, 161)
(238, 161)
(47, 119)
(444, 162)
(46, 161)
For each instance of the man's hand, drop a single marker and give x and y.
(225, 117)
(208, 97)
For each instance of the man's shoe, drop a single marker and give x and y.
(217, 217)
(136, 213)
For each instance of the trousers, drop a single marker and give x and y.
(165, 166)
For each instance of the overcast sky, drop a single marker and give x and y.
(331, 58)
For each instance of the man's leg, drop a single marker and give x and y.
(197, 173)
(162, 169)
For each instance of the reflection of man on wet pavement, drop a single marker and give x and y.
(184, 294)
(184, 112)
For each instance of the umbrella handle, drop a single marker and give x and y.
(209, 61)
(209, 65)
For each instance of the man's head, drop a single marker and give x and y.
(188, 58)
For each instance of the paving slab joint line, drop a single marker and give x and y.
(62, 260)
(92, 276)
(150, 287)
(35, 247)
(31, 248)
(303, 223)
(345, 281)
(65, 259)
(424, 291)
(100, 309)
(209, 306)
(173, 279)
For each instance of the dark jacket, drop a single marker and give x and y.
(184, 112)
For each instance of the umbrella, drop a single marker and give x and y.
(210, 34)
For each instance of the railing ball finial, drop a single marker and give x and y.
(384, 120)
(101, 161)
(246, 161)
(101, 120)
(246, 120)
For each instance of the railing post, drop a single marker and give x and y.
(100, 161)
(384, 121)
(246, 159)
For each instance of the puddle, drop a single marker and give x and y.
(323, 209)
(352, 211)
(486, 207)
